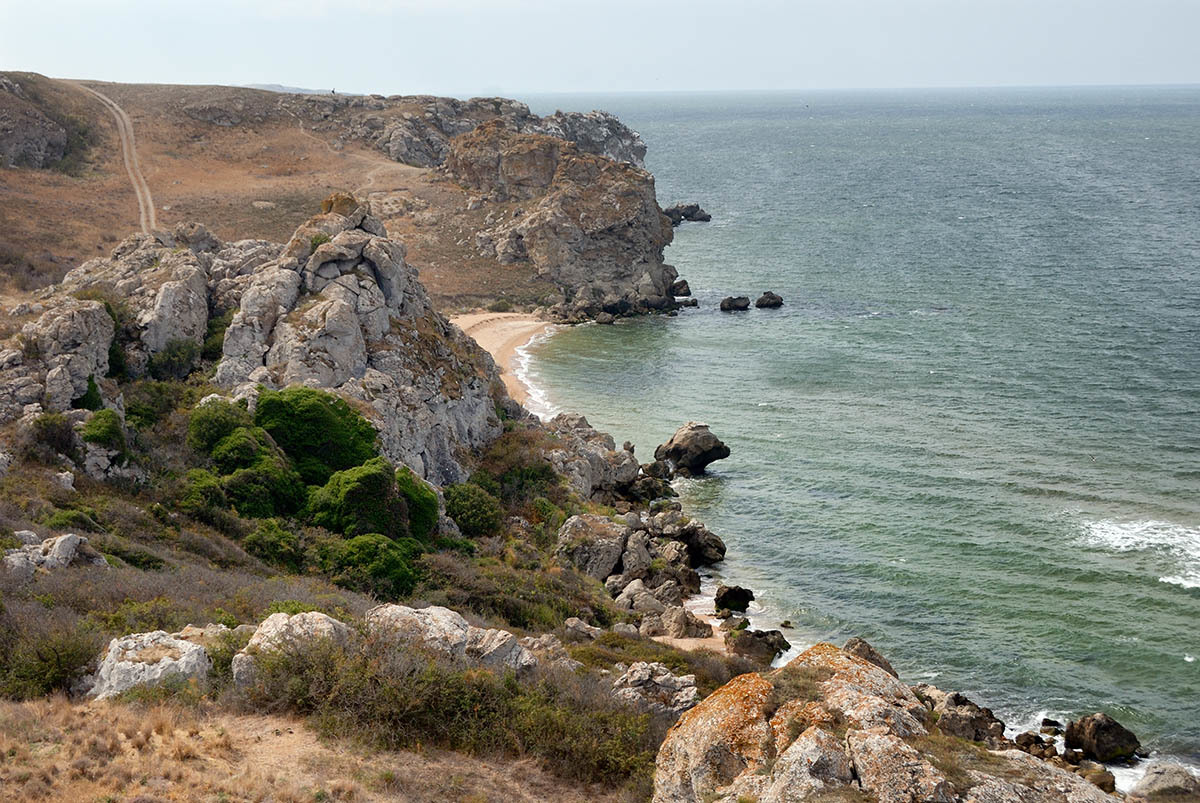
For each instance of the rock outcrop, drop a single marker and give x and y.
(735, 304)
(147, 659)
(341, 310)
(862, 649)
(775, 737)
(733, 598)
(1165, 783)
(589, 459)
(678, 213)
(28, 137)
(57, 552)
(592, 227)
(769, 300)
(691, 449)
(652, 686)
(445, 632)
(281, 631)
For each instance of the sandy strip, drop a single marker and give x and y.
(501, 334)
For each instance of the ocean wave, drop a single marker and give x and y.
(539, 400)
(1181, 544)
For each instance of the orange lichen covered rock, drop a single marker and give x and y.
(715, 742)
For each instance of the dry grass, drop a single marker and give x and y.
(51, 749)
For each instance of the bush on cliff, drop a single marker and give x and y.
(370, 563)
(422, 504)
(104, 429)
(320, 432)
(475, 511)
(213, 421)
(359, 500)
(268, 487)
(175, 361)
(274, 544)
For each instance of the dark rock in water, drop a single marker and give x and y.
(959, 716)
(691, 449)
(689, 212)
(1165, 783)
(605, 318)
(689, 302)
(769, 300)
(862, 649)
(648, 489)
(659, 468)
(628, 446)
(1072, 756)
(681, 288)
(1097, 775)
(734, 598)
(1102, 738)
(1025, 740)
(1051, 723)
(735, 304)
(704, 547)
(761, 645)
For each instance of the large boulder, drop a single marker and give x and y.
(679, 622)
(759, 645)
(435, 628)
(281, 631)
(592, 544)
(1165, 782)
(691, 449)
(735, 304)
(57, 552)
(653, 687)
(958, 716)
(895, 772)
(862, 649)
(769, 300)
(1102, 738)
(733, 598)
(499, 649)
(147, 659)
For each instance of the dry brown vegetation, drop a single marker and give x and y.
(53, 749)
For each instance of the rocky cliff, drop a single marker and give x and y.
(337, 308)
(592, 225)
(28, 137)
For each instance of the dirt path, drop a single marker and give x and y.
(148, 219)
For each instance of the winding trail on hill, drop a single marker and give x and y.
(379, 162)
(141, 189)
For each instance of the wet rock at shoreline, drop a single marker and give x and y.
(681, 288)
(760, 645)
(1165, 783)
(769, 300)
(1102, 738)
(691, 449)
(735, 304)
(733, 598)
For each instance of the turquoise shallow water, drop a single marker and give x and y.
(972, 435)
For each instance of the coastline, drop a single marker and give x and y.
(504, 335)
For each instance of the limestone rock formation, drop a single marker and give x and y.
(52, 553)
(862, 649)
(281, 631)
(592, 544)
(759, 645)
(679, 622)
(446, 632)
(653, 687)
(593, 226)
(1165, 783)
(147, 659)
(590, 460)
(691, 449)
(341, 310)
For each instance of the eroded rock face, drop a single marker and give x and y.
(589, 459)
(592, 544)
(691, 449)
(436, 628)
(147, 659)
(1164, 783)
(894, 772)
(862, 649)
(341, 310)
(653, 687)
(593, 226)
(28, 138)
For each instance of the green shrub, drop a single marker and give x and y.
(273, 544)
(474, 510)
(290, 606)
(90, 400)
(320, 432)
(73, 520)
(202, 492)
(371, 563)
(422, 504)
(269, 487)
(359, 500)
(147, 402)
(175, 361)
(242, 448)
(214, 338)
(118, 365)
(518, 468)
(40, 663)
(318, 239)
(500, 305)
(213, 421)
(104, 429)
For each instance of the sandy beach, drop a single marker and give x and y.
(501, 334)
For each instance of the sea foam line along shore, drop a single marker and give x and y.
(505, 335)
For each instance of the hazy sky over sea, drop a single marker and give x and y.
(511, 46)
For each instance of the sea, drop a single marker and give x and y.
(971, 435)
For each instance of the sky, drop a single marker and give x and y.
(474, 47)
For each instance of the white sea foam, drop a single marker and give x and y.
(539, 400)
(1178, 543)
